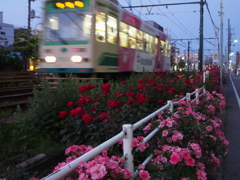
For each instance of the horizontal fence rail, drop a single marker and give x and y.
(127, 136)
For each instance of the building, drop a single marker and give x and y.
(6, 33)
(215, 59)
(237, 59)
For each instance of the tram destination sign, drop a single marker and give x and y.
(69, 4)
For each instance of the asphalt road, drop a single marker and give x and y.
(231, 167)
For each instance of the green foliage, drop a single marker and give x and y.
(9, 60)
(181, 64)
(45, 144)
(5, 113)
(27, 46)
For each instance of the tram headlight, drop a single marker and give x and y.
(76, 58)
(50, 59)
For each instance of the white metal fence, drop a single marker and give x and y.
(126, 135)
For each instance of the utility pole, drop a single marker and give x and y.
(29, 14)
(221, 44)
(188, 54)
(229, 45)
(201, 37)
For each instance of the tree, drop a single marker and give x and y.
(181, 64)
(8, 59)
(27, 46)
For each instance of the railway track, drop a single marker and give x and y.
(15, 96)
(16, 87)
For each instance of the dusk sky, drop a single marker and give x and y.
(180, 21)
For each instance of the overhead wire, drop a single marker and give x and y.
(137, 11)
(214, 25)
(179, 21)
(186, 30)
(150, 19)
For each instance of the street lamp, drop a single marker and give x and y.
(230, 53)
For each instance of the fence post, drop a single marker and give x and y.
(127, 148)
(197, 95)
(170, 103)
(189, 98)
(204, 77)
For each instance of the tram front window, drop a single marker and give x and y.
(67, 26)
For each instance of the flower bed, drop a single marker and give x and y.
(187, 144)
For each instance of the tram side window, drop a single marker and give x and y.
(112, 29)
(151, 44)
(156, 46)
(162, 47)
(54, 23)
(132, 37)
(123, 34)
(87, 23)
(100, 27)
(139, 40)
(168, 48)
(145, 42)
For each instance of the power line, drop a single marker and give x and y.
(215, 27)
(181, 26)
(153, 5)
(179, 21)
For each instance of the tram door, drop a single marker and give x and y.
(105, 46)
(157, 53)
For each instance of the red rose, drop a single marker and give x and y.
(141, 95)
(103, 115)
(181, 94)
(154, 75)
(106, 88)
(149, 80)
(140, 80)
(131, 94)
(181, 75)
(63, 114)
(82, 101)
(82, 89)
(71, 103)
(160, 101)
(89, 87)
(118, 94)
(78, 111)
(131, 101)
(142, 100)
(153, 83)
(87, 119)
(140, 87)
(113, 103)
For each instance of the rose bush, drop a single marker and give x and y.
(187, 143)
(96, 115)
